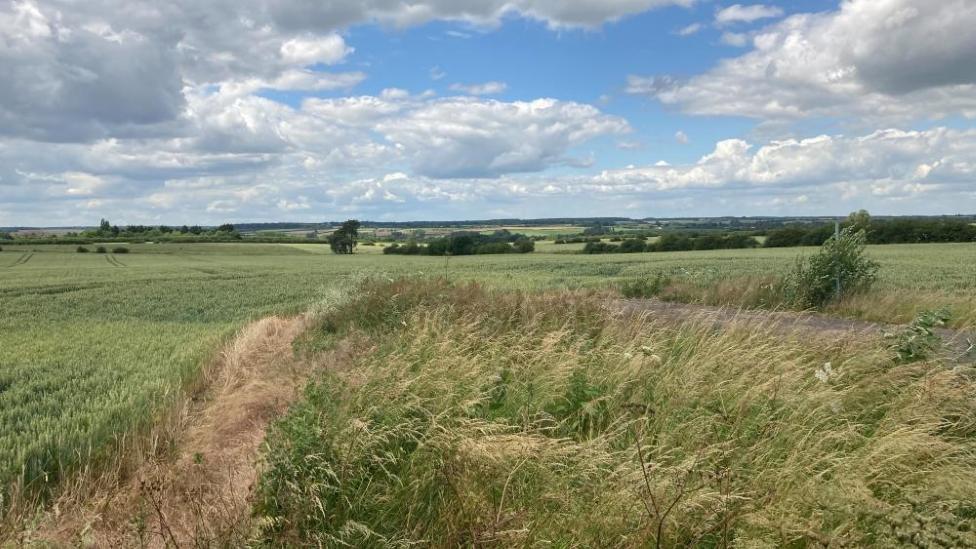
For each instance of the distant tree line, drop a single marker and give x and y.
(468, 243)
(582, 239)
(674, 242)
(107, 230)
(888, 231)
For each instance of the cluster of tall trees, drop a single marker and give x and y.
(344, 239)
(468, 243)
(107, 230)
(674, 242)
(878, 231)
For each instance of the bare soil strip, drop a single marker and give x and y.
(201, 495)
(959, 344)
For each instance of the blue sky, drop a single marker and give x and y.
(427, 109)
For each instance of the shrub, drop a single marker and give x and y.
(82, 250)
(814, 282)
(600, 248)
(673, 243)
(632, 245)
(101, 250)
(494, 248)
(645, 287)
(524, 246)
(120, 250)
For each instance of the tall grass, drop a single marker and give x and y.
(521, 419)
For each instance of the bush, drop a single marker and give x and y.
(494, 248)
(120, 250)
(600, 248)
(82, 250)
(673, 243)
(632, 246)
(645, 287)
(813, 282)
(524, 246)
(101, 250)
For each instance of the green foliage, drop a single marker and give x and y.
(645, 286)
(841, 267)
(81, 250)
(120, 250)
(600, 248)
(344, 239)
(879, 231)
(467, 243)
(918, 340)
(859, 221)
(672, 242)
(524, 246)
(101, 250)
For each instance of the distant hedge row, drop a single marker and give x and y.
(895, 231)
(466, 244)
(674, 243)
(41, 241)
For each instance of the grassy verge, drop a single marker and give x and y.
(521, 419)
(883, 304)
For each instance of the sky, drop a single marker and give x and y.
(148, 112)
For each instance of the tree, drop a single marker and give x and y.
(225, 228)
(859, 220)
(344, 239)
(840, 268)
(104, 227)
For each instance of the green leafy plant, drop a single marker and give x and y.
(918, 340)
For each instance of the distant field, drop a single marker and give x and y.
(93, 347)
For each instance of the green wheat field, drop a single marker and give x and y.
(95, 347)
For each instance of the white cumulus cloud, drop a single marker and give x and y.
(737, 13)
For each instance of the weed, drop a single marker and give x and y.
(918, 340)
